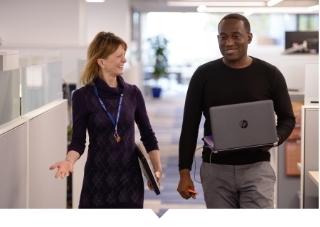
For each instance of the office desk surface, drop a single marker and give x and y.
(314, 175)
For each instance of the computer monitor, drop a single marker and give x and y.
(297, 37)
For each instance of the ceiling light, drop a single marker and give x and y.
(181, 3)
(94, 0)
(273, 2)
(258, 9)
(201, 8)
(313, 8)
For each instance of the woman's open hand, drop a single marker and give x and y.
(64, 168)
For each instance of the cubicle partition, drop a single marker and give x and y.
(13, 165)
(47, 144)
(309, 181)
(28, 147)
(33, 136)
(309, 166)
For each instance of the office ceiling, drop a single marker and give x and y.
(162, 6)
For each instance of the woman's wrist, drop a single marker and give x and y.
(69, 161)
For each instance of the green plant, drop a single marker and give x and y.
(69, 132)
(158, 45)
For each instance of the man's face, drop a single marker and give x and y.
(233, 40)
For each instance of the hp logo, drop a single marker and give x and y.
(243, 124)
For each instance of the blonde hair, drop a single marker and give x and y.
(103, 44)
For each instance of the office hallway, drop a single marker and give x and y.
(165, 116)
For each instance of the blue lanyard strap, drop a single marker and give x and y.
(115, 123)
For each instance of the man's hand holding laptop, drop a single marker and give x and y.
(268, 148)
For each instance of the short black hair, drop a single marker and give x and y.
(238, 17)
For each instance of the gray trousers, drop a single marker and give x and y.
(238, 186)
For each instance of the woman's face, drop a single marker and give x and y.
(113, 64)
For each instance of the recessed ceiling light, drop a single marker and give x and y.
(94, 0)
(201, 8)
(187, 3)
(273, 2)
(258, 9)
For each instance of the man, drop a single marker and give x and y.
(242, 179)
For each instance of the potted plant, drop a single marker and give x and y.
(158, 45)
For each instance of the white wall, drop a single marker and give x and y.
(60, 23)
(311, 86)
(292, 66)
(65, 27)
(39, 23)
(109, 16)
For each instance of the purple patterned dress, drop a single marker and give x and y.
(112, 175)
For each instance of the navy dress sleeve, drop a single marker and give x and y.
(142, 120)
(80, 115)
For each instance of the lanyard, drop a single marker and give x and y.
(115, 123)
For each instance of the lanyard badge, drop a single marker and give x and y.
(115, 123)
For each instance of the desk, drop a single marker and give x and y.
(314, 175)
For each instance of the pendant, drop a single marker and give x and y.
(117, 138)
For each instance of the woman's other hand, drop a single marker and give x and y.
(64, 168)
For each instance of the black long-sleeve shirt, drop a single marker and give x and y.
(215, 84)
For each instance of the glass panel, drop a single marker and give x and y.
(9, 95)
(40, 85)
(308, 22)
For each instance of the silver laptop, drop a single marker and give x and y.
(242, 126)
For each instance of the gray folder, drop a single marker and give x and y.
(147, 167)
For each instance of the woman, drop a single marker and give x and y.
(108, 108)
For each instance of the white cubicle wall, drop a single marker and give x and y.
(309, 156)
(13, 165)
(47, 144)
(28, 147)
